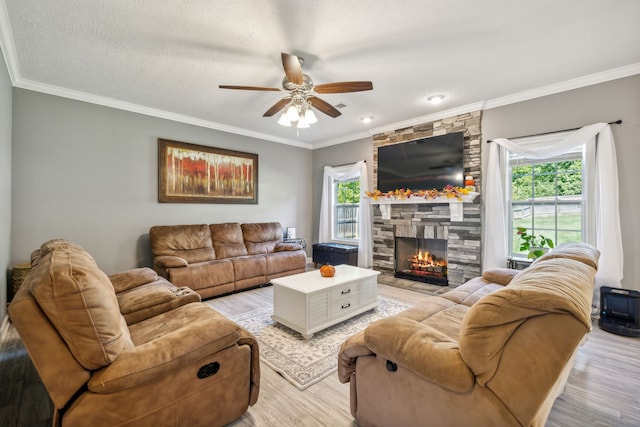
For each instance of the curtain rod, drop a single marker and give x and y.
(347, 164)
(617, 122)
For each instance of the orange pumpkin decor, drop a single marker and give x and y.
(327, 270)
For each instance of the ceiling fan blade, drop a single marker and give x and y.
(249, 88)
(342, 87)
(276, 107)
(292, 68)
(324, 106)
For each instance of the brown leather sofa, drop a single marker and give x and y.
(188, 365)
(496, 351)
(222, 258)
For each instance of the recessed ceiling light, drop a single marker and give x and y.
(367, 119)
(436, 99)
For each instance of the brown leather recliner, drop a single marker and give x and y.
(186, 366)
(496, 351)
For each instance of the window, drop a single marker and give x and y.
(546, 198)
(345, 204)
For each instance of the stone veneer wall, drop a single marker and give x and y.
(433, 220)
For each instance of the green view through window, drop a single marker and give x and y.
(546, 198)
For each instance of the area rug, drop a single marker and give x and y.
(305, 362)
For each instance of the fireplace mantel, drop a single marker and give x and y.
(455, 205)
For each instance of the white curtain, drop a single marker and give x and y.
(602, 213)
(365, 240)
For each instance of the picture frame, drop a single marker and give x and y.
(291, 233)
(190, 173)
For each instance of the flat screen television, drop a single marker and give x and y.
(423, 164)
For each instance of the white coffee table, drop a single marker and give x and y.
(307, 302)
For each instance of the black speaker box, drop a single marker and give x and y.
(620, 311)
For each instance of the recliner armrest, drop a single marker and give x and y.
(352, 348)
(170, 261)
(500, 276)
(132, 278)
(421, 349)
(167, 353)
(282, 247)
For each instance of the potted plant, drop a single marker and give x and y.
(534, 245)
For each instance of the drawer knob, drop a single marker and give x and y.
(348, 291)
(347, 305)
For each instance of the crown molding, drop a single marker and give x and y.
(7, 46)
(341, 140)
(591, 79)
(428, 118)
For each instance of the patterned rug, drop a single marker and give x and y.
(305, 362)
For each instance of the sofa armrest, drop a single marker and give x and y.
(500, 276)
(132, 278)
(281, 247)
(350, 350)
(422, 350)
(170, 261)
(165, 354)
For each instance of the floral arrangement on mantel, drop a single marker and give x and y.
(448, 192)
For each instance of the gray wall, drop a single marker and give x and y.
(5, 182)
(617, 99)
(336, 155)
(89, 173)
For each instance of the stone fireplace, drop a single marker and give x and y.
(460, 239)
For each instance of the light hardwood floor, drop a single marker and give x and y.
(602, 389)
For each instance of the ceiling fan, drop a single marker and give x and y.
(301, 97)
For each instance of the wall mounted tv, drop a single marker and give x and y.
(422, 164)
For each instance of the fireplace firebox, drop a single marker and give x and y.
(423, 260)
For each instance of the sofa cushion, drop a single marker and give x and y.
(471, 291)
(582, 252)
(422, 349)
(555, 286)
(227, 240)
(165, 343)
(246, 267)
(261, 238)
(53, 244)
(203, 275)
(191, 242)
(279, 262)
(132, 278)
(79, 300)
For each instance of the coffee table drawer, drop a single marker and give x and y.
(343, 306)
(343, 291)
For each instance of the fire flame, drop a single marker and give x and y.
(421, 261)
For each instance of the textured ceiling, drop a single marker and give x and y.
(167, 58)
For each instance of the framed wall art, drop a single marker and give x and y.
(190, 173)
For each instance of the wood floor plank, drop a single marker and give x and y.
(601, 391)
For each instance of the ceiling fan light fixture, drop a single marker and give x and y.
(284, 120)
(435, 99)
(310, 116)
(292, 113)
(301, 94)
